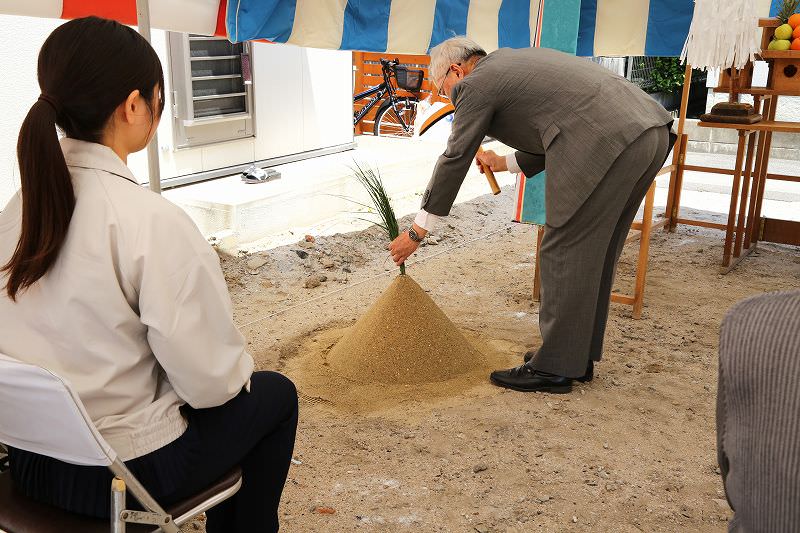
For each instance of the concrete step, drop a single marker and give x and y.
(319, 192)
(312, 195)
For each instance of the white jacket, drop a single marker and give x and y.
(135, 312)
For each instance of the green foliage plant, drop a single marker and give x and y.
(371, 181)
(666, 76)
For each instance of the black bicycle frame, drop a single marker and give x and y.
(379, 91)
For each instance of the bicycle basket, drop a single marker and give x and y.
(409, 79)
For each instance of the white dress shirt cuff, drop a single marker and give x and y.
(511, 163)
(426, 221)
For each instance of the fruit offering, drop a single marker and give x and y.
(787, 35)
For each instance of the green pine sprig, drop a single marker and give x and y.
(787, 10)
(371, 181)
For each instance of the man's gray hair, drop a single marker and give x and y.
(454, 50)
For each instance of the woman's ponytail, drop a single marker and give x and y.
(48, 198)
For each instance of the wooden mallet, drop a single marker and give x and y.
(441, 113)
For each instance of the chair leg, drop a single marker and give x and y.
(117, 505)
(155, 514)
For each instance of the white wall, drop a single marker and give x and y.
(303, 101)
(20, 40)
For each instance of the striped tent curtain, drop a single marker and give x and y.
(399, 26)
(586, 27)
(640, 27)
(405, 26)
(203, 17)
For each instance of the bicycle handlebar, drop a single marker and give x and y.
(390, 62)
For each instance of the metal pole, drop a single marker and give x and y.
(153, 166)
(117, 505)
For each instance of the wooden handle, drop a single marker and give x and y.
(489, 175)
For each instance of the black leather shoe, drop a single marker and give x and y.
(588, 376)
(525, 379)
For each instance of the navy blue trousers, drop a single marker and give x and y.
(255, 430)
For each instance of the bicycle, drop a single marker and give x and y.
(396, 114)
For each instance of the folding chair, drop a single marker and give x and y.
(41, 413)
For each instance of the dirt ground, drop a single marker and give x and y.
(634, 450)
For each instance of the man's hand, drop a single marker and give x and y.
(497, 163)
(402, 247)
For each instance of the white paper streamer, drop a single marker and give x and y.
(723, 34)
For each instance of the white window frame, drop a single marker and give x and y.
(191, 132)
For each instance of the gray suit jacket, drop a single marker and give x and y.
(563, 113)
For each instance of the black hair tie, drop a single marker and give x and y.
(51, 101)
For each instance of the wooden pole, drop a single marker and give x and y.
(726, 254)
(733, 93)
(687, 82)
(765, 111)
(683, 142)
(746, 178)
(489, 175)
(644, 250)
(678, 157)
(358, 83)
(764, 170)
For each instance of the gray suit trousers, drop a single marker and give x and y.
(578, 260)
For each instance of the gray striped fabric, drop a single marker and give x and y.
(758, 412)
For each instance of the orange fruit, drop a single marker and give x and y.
(794, 20)
(796, 32)
(796, 43)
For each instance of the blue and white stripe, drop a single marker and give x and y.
(400, 26)
(640, 27)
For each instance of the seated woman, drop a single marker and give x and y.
(114, 288)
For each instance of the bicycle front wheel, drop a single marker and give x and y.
(396, 123)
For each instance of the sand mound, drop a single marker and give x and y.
(404, 338)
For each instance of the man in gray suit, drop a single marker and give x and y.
(601, 140)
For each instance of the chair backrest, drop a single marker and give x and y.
(41, 413)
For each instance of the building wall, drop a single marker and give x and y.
(302, 101)
(20, 40)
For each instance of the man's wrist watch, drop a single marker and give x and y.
(413, 235)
